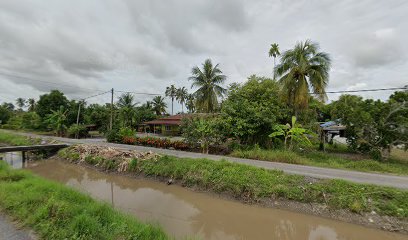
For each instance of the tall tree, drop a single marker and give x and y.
(31, 104)
(190, 103)
(51, 101)
(172, 93)
(127, 106)
(21, 102)
(159, 105)
(208, 80)
(302, 69)
(274, 52)
(182, 97)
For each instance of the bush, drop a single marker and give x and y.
(113, 136)
(126, 132)
(77, 131)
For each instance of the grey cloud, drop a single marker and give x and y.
(383, 47)
(147, 45)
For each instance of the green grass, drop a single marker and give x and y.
(55, 211)
(321, 159)
(251, 184)
(16, 140)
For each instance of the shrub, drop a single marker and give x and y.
(126, 132)
(133, 165)
(77, 131)
(113, 136)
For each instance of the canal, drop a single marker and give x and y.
(181, 212)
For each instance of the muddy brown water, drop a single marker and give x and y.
(182, 212)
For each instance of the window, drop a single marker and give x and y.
(167, 127)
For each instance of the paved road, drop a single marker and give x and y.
(317, 172)
(9, 231)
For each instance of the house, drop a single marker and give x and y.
(169, 126)
(331, 129)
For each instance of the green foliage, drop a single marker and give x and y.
(16, 140)
(209, 81)
(321, 159)
(204, 131)
(301, 69)
(55, 211)
(98, 115)
(270, 155)
(24, 120)
(292, 133)
(373, 126)
(171, 92)
(77, 131)
(126, 106)
(133, 165)
(126, 132)
(159, 106)
(51, 102)
(57, 121)
(252, 109)
(113, 136)
(5, 114)
(181, 97)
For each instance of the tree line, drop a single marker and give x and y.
(252, 113)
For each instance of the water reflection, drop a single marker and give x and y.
(14, 159)
(185, 213)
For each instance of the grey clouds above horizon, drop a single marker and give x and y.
(81, 47)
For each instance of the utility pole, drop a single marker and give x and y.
(111, 116)
(79, 110)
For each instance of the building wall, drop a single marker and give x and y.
(170, 130)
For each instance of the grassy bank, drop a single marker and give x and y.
(321, 159)
(55, 211)
(251, 183)
(16, 140)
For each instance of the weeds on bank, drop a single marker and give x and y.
(16, 140)
(55, 211)
(252, 184)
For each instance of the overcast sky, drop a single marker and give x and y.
(86, 46)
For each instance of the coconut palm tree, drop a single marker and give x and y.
(181, 97)
(208, 80)
(303, 69)
(31, 104)
(159, 106)
(127, 106)
(190, 105)
(172, 93)
(274, 52)
(20, 103)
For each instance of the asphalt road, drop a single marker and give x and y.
(316, 172)
(9, 231)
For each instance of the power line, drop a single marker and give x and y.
(139, 93)
(83, 99)
(366, 90)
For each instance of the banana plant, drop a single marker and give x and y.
(291, 133)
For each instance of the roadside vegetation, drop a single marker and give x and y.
(249, 183)
(16, 140)
(55, 211)
(322, 159)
